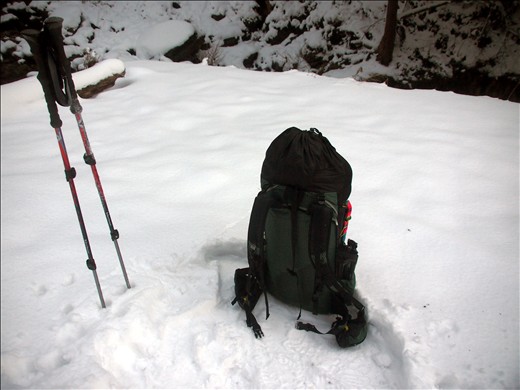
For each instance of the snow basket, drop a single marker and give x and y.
(296, 245)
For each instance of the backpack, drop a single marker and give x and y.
(295, 248)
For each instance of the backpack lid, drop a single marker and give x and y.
(305, 159)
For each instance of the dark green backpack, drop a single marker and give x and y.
(295, 251)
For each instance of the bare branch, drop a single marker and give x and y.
(417, 10)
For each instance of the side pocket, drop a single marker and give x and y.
(247, 289)
(346, 261)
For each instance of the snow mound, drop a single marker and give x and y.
(17, 94)
(101, 71)
(163, 37)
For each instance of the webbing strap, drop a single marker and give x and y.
(347, 332)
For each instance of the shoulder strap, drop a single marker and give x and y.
(250, 282)
(255, 237)
(293, 197)
(319, 236)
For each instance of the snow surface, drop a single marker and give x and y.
(179, 150)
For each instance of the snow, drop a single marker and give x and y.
(435, 43)
(179, 150)
(99, 71)
(163, 37)
(68, 11)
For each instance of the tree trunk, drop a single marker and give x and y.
(386, 46)
(265, 8)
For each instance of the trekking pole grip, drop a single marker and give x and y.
(34, 39)
(53, 28)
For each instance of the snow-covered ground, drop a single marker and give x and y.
(179, 150)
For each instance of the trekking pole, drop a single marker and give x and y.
(37, 43)
(53, 28)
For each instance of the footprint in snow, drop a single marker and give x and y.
(39, 289)
(390, 351)
(443, 330)
(68, 280)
